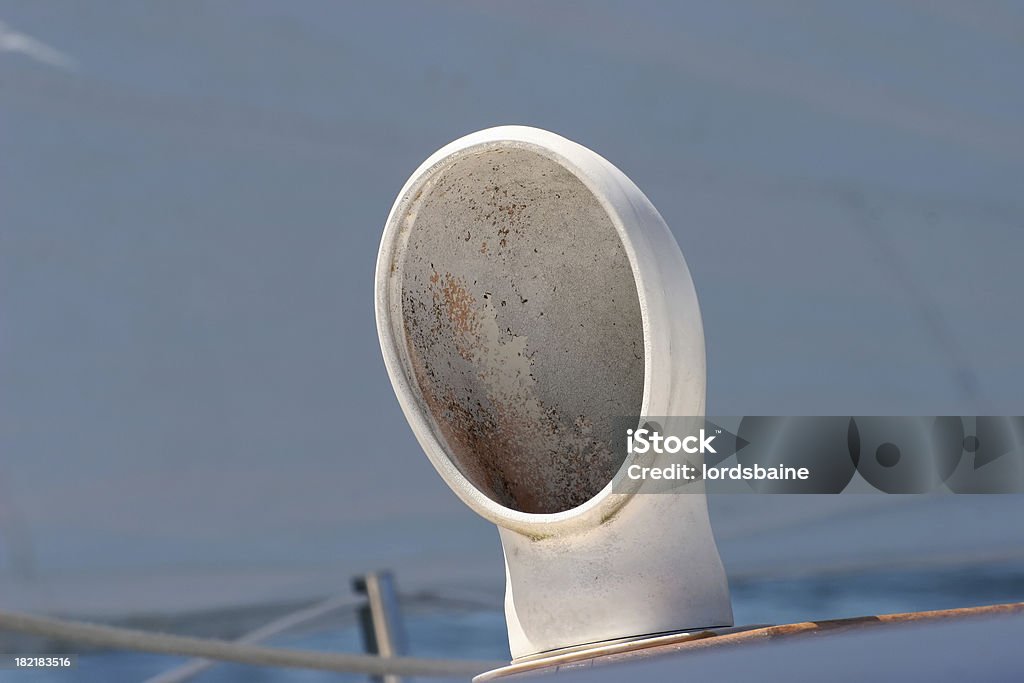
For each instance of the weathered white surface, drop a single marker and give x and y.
(583, 563)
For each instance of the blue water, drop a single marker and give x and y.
(444, 629)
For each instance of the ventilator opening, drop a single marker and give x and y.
(522, 326)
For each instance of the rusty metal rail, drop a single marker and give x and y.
(680, 643)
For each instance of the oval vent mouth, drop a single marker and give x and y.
(521, 326)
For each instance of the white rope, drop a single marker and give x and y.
(194, 667)
(241, 653)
